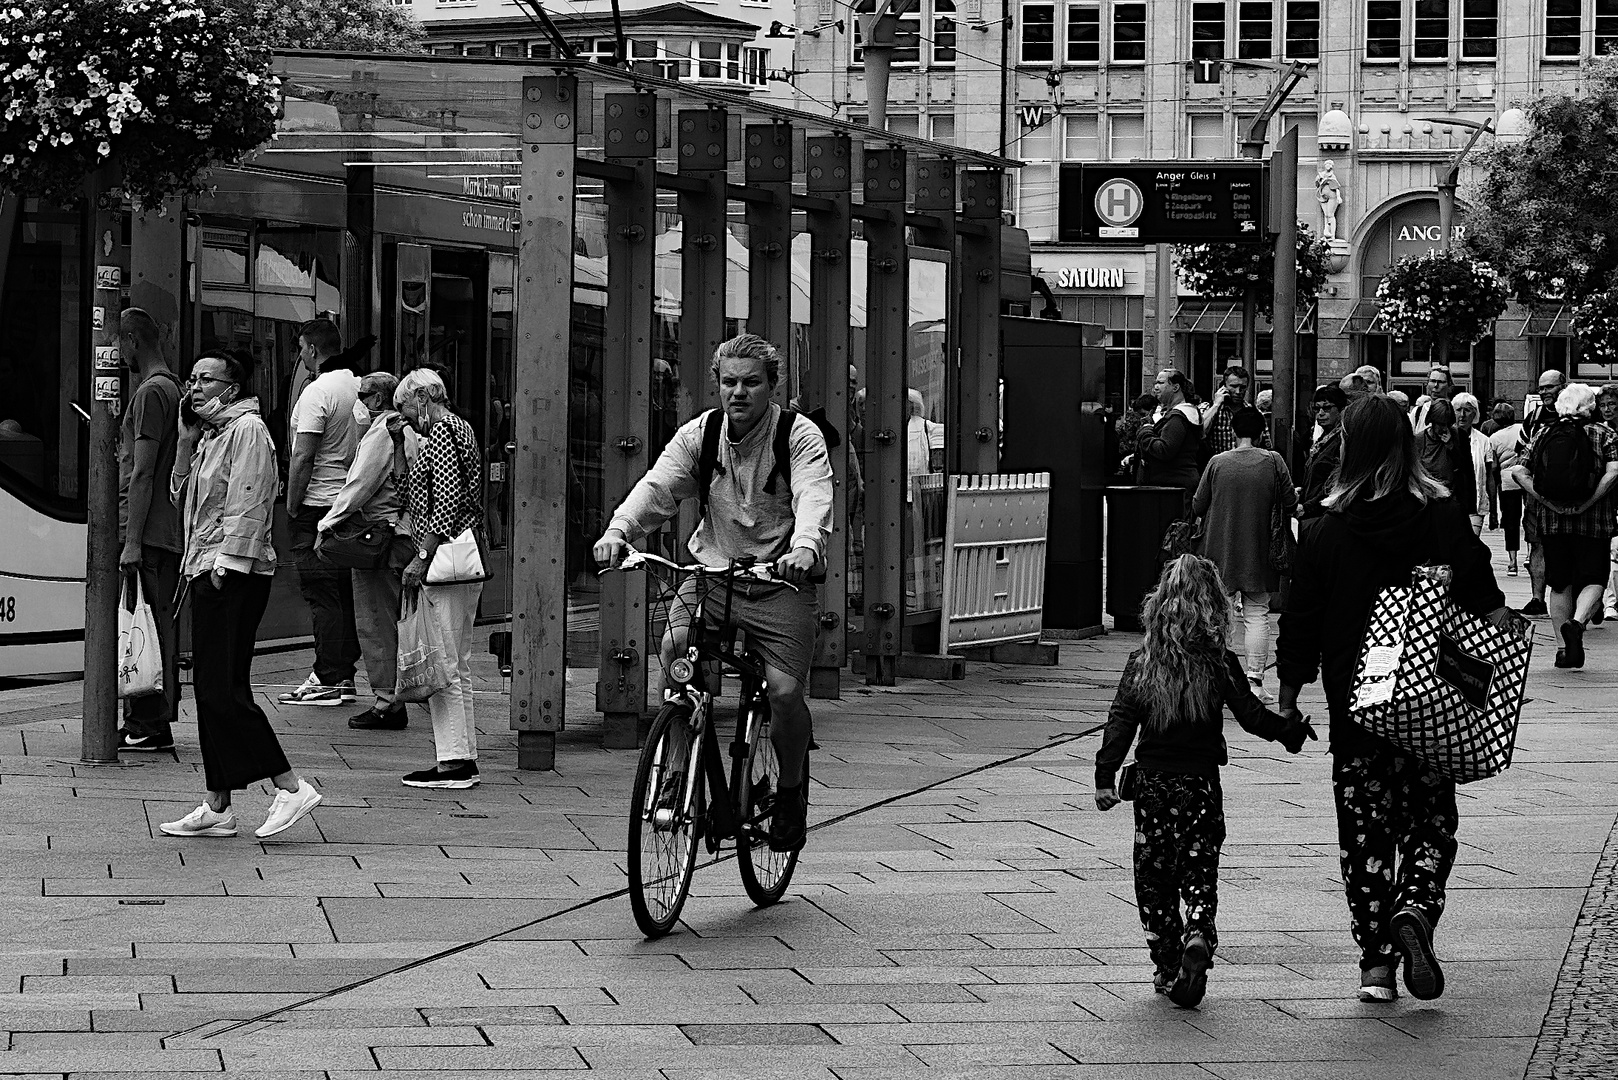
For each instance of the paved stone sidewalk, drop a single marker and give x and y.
(982, 926)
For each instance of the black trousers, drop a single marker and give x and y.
(329, 592)
(1396, 823)
(1179, 829)
(154, 713)
(1511, 517)
(239, 748)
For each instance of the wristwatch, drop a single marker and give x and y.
(421, 553)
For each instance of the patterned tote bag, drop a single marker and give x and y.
(1439, 682)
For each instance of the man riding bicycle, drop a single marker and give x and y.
(777, 511)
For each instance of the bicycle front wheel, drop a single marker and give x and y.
(663, 822)
(765, 873)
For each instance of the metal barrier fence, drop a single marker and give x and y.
(994, 561)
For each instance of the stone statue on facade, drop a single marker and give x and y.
(1329, 193)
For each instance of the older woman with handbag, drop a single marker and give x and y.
(368, 531)
(445, 485)
(225, 482)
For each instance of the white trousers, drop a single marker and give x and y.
(1253, 609)
(455, 731)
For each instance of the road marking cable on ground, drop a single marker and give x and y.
(717, 859)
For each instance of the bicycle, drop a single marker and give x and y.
(681, 793)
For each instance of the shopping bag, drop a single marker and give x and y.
(1439, 682)
(461, 561)
(424, 661)
(140, 652)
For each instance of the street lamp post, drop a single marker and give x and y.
(1448, 181)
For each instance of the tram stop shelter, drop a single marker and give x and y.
(621, 225)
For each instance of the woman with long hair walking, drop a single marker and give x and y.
(1396, 818)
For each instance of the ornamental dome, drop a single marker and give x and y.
(1336, 132)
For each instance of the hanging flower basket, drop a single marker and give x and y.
(1595, 321)
(1228, 270)
(1437, 295)
(167, 87)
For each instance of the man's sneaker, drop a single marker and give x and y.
(789, 825)
(315, 692)
(146, 744)
(374, 719)
(1164, 978)
(1259, 692)
(289, 808)
(1413, 935)
(1573, 642)
(463, 774)
(350, 695)
(1192, 983)
(1376, 984)
(203, 821)
(1597, 616)
(1535, 609)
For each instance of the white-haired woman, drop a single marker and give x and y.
(1471, 485)
(1568, 475)
(373, 495)
(445, 499)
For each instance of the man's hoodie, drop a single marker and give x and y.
(1344, 560)
(1169, 450)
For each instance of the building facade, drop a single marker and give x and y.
(1058, 82)
(741, 45)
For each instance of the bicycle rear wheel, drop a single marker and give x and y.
(765, 873)
(662, 832)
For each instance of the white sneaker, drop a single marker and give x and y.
(203, 821)
(315, 692)
(1259, 692)
(288, 809)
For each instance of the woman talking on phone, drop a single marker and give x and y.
(225, 483)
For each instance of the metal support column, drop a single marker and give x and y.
(887, 314)
(703, 149)
(830, 177)
(1284, 223)
(975, 447)
(539, 420)
(767, 158)
(630, 138)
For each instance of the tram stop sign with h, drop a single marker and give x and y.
(1172, 202)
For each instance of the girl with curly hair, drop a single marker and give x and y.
(1174, 691)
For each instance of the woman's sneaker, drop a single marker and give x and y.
(1377, 984)
(315, 692)
(203, 821)
(463, 774)
(1192, 983)
(1413, 935)
(289, 808)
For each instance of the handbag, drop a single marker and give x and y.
(463, 560)
(1439, 682)
(1283, 545)
(423, 660)
(140, 651)
(1126, 786)
(1180, 538)
(357, 544)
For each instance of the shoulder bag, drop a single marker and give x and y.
(1283, 545)
(463, 560)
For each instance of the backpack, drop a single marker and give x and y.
(1563, 462)
(713, 422)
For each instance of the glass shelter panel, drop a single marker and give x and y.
(927, 370)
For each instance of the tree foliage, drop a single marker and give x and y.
(1545, 212)
(335, 25)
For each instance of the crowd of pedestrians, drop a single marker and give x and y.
(372, 457)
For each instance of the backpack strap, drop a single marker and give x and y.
(708, 459)
(781, 447)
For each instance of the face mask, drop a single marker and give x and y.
(362, 415)
(209, 410)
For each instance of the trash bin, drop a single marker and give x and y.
(1137, 517)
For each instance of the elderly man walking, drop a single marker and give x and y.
(1539, 411)
(1440, 387)
(148, 523)
(1568, 477)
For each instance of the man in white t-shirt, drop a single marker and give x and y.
(325, 435)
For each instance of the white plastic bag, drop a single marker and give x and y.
(140, 652)
(424, 662)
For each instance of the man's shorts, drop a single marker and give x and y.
(780, 623)
(1575, 561)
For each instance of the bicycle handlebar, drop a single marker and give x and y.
(764, 571)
